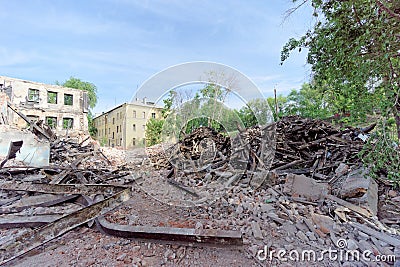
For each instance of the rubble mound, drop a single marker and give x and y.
(193, 144)
(310, 146)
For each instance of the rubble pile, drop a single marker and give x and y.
(197, 141)
(315, 147)
(323, 200)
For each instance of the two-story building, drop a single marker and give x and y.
(63, 109)
(125, 125)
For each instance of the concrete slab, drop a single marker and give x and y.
(34, 152)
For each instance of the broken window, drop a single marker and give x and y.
(52, 97)
(134, 114)
(153, 115)
(68, 99)
(51, 122)
(33, 95)
(68, 123)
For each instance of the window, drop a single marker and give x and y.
(133, 141)
(120, 141)
(68, 99)
(117, 128)
(52, 97)
(68, 123)
(118, 116)
(153, 115)
(33, 95)
(108, 130)
(144, 127)
(51, 122)
(134, 127)
(134, 114)
(113, 121)
(144, 141)
(113, 135)
(144, 115)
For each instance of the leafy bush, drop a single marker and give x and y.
(382, 155)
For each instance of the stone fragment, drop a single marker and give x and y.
(359, 188)
(303, 186)
(257, 233)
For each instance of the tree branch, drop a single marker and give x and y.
(289, 12)
(387, 10)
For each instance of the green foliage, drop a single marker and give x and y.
(92, 129)
(353, 50)
(90, 88)
(247, 116)
(308, 102)
(103, 141)
(382, 155)
(153, 131)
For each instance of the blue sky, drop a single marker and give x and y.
(118, 44)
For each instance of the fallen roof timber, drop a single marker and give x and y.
(39, 236)
(171, 233)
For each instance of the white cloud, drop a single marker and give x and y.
(13, 57)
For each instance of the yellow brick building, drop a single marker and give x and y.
(125, 125)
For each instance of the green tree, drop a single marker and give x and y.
(153, 131)
(256, 112)
(354, 48)
(308, 102)
(91, 90)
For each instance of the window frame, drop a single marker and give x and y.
(48, 97)
(66, 103)
(35, 97)
(66, 120)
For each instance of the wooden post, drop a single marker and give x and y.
(276, 104)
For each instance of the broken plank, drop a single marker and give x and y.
(39, 236)
(183, 187)
(350, 206)
(83, 189)
(44, 200)
(379, 235)
(14, 221)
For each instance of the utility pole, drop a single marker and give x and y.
(276, 103)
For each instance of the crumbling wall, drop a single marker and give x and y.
(39, 107)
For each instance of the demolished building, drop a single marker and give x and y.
(63, 109)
